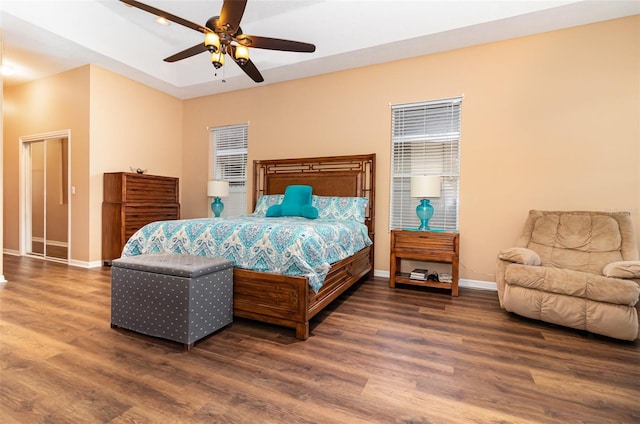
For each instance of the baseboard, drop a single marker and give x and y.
(380, 273)
(83, 264)
(2, 279)
(478, 284)
(469, 284)
(72, 262)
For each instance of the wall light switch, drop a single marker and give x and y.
(73, 189)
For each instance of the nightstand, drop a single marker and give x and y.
(424, 246)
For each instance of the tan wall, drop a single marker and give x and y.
(1, 160)
(56, 103)
(550, 121)
(132, 125)
(127, 123)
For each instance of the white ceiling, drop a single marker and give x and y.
(50, 36)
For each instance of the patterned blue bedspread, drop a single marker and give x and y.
(288, 245)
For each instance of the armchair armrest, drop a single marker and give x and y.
(622, 269)
(520, 255)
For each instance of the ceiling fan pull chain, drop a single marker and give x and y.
(223, 76)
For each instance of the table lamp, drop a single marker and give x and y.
(423, 186)
(217, 189)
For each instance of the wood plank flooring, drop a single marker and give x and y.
(377, 355)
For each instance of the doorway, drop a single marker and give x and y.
(45, 194)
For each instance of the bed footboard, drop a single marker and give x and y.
(273, 298)
(288, 301)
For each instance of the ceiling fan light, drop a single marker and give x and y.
(242, 54)
(212, 41)
(217, 59)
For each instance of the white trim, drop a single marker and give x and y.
(46, 258)
(83, 264)
(478, 284)
(24, 183)
(72, 262)
(380, 273)
(469, 284)
(2, 280)
(453, 100)
(51, 242)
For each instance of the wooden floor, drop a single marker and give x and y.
(379, 355)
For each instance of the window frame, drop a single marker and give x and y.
(228, 157)
(425, 140)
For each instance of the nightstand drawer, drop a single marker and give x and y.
(420, 241)
(424, 246)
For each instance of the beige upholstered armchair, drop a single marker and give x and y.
(577, 269)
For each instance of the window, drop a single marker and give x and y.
(229, 153)
(425, 140)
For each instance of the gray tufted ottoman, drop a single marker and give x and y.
(176, 297)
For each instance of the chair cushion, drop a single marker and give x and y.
(577, 241)
(604, 318)
(574, 283)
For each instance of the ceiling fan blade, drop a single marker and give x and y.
(191, 51)
(166, 15)
(274, 44)
(249, 68)
(231, 14)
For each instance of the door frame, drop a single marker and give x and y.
(25, 189)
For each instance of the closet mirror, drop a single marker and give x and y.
(47, 208)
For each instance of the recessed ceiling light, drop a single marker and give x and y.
(162, 21)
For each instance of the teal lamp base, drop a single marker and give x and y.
(424, 211)
(217, 206)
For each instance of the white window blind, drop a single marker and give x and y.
(229, 147)
(425, 141)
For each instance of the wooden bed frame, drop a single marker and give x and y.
(289, 301)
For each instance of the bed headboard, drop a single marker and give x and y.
(353, 175)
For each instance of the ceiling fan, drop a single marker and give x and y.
(223, 35)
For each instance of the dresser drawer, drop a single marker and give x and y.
(137, 216)
(151, 190)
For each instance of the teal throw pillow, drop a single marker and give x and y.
(296, 202)
(273, 211)
(309, 211)
(295, 197)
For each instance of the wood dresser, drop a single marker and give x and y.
(130, 201)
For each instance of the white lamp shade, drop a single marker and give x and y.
(217, 188)
(424, 186)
